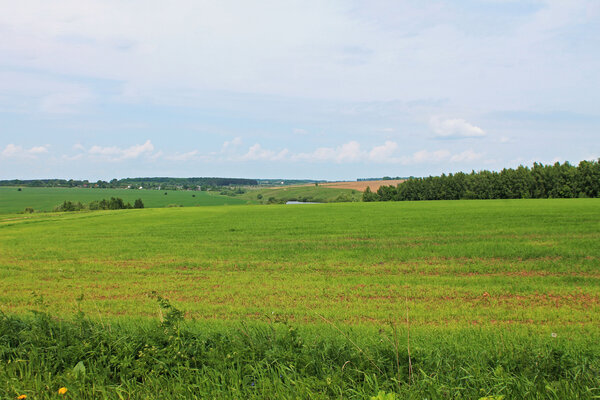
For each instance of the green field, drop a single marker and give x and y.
(317, 194)
(502, 298)
(45, 199)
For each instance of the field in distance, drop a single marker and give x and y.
(362, 185)
(304, 193)
(323, 192)
(533, 262)
(45, 199)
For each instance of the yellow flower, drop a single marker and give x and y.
(22, 397)
(62, 390)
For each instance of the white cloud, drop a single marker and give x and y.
(387, 153)
(12, 150)
(424, 156)
(38, 150)
(454, 128)
(365, 45)
(384, 153)
(256, 152)
(231, 144)
(439, 156)
(347, 152)
(115, 153)
(466, 156)
(65, 102)
(183, 156)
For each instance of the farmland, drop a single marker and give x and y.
(303, 193)
(502, 297)
(362, 185)
(45, 199)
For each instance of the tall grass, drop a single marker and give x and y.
(277, 359)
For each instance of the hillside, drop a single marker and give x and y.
(45, 199)
(312, 193)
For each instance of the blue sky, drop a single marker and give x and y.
(295, 89)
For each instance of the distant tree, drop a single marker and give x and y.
(19, 189)
(138, 204)
(541, 181)
(370, 196)
(116, 203)
(69, 206)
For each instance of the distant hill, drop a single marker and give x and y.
(146, 183)
(286, 182)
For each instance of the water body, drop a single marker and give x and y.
(302, 202)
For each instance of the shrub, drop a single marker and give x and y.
(69, 206)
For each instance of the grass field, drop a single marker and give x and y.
(503, 298)
(362, 185)
(318, 194)
(45, 199)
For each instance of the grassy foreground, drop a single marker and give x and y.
(503, 298)
(176, 360)
(45, 199)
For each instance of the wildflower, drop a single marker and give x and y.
(22, 397)
(553, 334)
(62, 391)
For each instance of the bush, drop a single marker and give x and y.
(115, 203)
(69, 206)
(138, 204)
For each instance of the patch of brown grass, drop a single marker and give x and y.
(362, 185)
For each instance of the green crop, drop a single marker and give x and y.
(45, 199)
(501, 297)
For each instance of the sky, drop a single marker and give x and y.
(295, 89)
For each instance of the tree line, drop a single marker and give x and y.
(540, 181)
(146, 183)
(115, 203)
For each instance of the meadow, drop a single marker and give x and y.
(498, 298)
(303, 193)
(45, 199)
